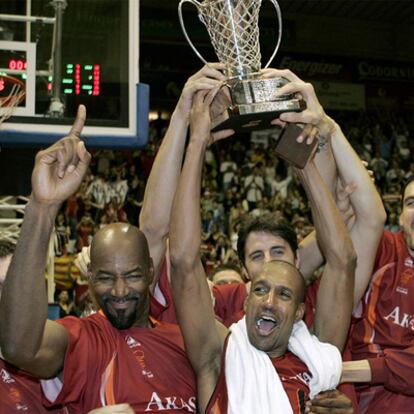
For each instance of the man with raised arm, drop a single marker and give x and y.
(162, 182)
(275, 302)
(382, 341)
(120, 354)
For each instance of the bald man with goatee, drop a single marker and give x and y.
(120, 354)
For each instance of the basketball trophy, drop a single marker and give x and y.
(233, 27)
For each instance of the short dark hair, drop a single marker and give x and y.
(268, 223)
(404, 186)
(223, 267)
(7, 248)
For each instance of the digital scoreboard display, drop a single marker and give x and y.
(94, 63)
(82, 79)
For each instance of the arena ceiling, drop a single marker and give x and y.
(385, 11)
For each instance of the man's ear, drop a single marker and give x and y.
(300, 311)
(297, 260)
(151, 271)
(244, 273)
(245, 303)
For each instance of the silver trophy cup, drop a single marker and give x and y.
(233, 27)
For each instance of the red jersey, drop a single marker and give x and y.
(145, 367)
(162, 306)
(385, 333)
(292, 371)
(230, 306)
(20, 393)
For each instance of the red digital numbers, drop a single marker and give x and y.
(15, 64)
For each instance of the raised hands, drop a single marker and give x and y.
(207, 78)
(59, 169)
(200, 118)
(313, 114)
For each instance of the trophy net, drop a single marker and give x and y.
(234, 32)
(15, 95)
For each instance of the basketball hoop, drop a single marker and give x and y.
(14, 94)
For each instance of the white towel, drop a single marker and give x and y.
(253, 385)
(323, 360)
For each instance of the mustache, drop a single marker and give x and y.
(130, 296)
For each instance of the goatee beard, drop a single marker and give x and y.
(121, 321)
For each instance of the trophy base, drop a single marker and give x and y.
(287, 148)
(252, 117)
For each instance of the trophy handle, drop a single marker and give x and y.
(180, 15)
(279, 18)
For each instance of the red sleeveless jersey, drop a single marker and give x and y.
(384, 334)
(20, 393)
(292, 371)
(145, 367)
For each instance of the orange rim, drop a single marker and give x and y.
(17, 91)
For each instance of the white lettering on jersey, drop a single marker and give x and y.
(6, 377)
(409, 262)
(132, 343)
(304, 377)
(405, 320)
(157, 404)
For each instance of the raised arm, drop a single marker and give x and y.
(370, 216)
(335, 295)
(154, 219)
(202, 336)
(27, 339)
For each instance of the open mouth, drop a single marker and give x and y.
(266, 324)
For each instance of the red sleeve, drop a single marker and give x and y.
(385, 251)
(394, 370)
(83, 339)
(229, 300)
(164, 312)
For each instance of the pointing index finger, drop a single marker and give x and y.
(79, 122)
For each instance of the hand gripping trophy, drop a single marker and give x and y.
(234, 33)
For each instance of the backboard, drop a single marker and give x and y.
(71, 52)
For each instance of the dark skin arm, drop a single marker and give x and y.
(203, 336)
(332, 401)
(27, 339)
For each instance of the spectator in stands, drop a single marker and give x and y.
(254, 187)
(226, 275)
(66, 304)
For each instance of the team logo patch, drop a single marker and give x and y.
(406, 276)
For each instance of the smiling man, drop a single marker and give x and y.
(233, 378)
(120, 354)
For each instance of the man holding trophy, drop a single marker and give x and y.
(234, 33)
